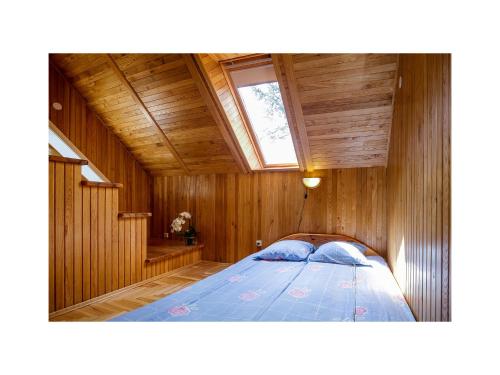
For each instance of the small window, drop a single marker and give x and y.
(64, 147)
(260, 99)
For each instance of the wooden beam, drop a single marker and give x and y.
(210, 98)
(296, 108)
(396, 86)
(145, 111)
(292, 124)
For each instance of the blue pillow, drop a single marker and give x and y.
(339, 252)
(359, 246)
(293, 250)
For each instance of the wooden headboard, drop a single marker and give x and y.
(318, 239)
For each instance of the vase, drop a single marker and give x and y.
(189, 241)
(190, 236)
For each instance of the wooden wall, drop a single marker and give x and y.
(232, 211)
(418, 185)
(91, 250)
(98, 143)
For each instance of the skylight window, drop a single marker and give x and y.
(66, 149)
(260, 96)
(267, 115)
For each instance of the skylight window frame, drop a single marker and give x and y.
(73, 148)
(248, 63)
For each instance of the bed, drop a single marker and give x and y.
(260, 290)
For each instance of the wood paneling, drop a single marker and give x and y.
(232, 211)
(98, 143)
(343, 102)
(84, 220)
(142, 107)
(92, 249)
(209, 98)
(418, 183)
(138, 95)
(108, 97)
(177, 114)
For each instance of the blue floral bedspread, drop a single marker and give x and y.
(335, 292)
(257, 290)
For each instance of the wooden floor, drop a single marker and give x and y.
(107, 307)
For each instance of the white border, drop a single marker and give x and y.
(30, 30)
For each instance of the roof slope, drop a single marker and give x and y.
(177, 114)
(345, 101)
(169, 99)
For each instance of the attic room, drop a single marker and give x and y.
(249, 187)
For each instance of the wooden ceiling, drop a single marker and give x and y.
(177, 113)
(154, 104)
(343, 107)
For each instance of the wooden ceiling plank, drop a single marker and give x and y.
(209, 96)
(327, 66)
(297, 110)
(364, 71)
(349, 113)
(145, 111)
(309, 60)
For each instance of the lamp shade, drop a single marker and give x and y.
(311, 182)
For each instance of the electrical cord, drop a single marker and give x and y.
(302, 211)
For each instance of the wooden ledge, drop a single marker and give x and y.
(133, 214)
(62, 159)
(159, 249)
(101, 184)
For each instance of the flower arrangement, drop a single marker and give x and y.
(178, 222)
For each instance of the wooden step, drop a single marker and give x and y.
(126, 215)
(101, 184)
(62, 159)
(159, 249)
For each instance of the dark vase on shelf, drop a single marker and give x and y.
(190, 236)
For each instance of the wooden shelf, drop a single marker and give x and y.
(62, 159)
(125, 215)
(102, 184)
(159, 249)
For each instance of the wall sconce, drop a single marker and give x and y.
(311, 182)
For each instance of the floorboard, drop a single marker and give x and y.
(130, 299)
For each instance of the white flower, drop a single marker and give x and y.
(176, 225)
(179, 221)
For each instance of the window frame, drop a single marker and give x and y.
(70, 144)
(248, 63)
